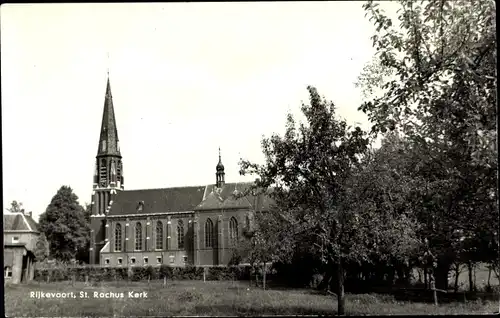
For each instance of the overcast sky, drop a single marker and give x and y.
(186, 78)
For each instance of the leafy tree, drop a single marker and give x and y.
(434, 79)
(16, 207)
(41, 248)
(310, 170)
(64, 225)
(264, 244)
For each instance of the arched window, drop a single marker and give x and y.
(118, 237)
(180, 234)
(209, 233)
(233, 231)
(159, 235)
(138, 236)
(7, 272)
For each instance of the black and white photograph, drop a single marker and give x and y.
(295, 158)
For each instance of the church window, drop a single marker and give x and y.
(209, 234)
(120, 261)
(8, 272)
(132, 260)
(159, 235)
(146, 260)
(106, 261)
(15, 239)
(118, 237)
(158, 259)
(103, 145)
(138, 236)
(233, 231)
(180, 234)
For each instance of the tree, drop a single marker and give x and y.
(64, 225)
(434, 79)
(264, 244)
(16, 207)
(41, 248)
(310, 170)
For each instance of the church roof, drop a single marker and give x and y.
(184, 199)
(178, 199)
(230, 197)
(212, 201)
(19, 222)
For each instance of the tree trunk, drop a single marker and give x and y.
(325, 282)
(425, 277)
(471, 282)
(340, 293)
(257, 275)
(264, 277)
(489, 277)
(457, 273)
(441, 270)
(434, 293)
(474, 274)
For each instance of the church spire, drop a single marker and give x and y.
(108, 140)
(219, 174)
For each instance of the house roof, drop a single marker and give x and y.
(19, 222)
(184, 199)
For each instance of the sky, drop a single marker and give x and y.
(186, 79)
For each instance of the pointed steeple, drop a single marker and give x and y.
(108, 140)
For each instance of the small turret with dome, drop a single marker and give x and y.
(219, 174)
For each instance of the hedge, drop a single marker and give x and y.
(138, 273)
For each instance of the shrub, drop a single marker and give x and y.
(139, 273)
(165, 271)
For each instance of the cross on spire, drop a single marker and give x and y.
(107, 67)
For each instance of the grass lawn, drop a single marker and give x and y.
(211, 299)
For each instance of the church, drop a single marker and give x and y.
(193, 225)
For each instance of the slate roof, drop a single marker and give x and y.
(212, 201)
(184, 199)
(19, 222)
(229, 195)
(31, 222)
(157, 200)
(109, 132)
